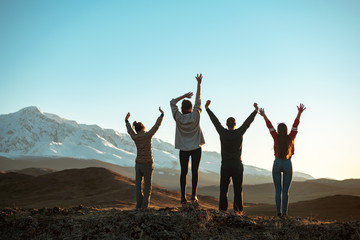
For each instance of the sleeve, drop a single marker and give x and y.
(130, 130)
(156, 126)
(197, 106)
(175, 110)
(271, 129)
(248, 122)
(294, 129)
(215, 121)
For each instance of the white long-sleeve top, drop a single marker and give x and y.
(188, 134)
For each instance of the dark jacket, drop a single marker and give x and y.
(231, 140)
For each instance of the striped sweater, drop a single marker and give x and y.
(143, 142)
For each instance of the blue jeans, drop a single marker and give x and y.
(285, 167)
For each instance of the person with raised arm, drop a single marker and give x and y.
(283, 151)
(231, 163)
(144, 158)
(188, 138)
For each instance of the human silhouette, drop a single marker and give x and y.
(231, 164)
(188, 138)
(283, 151)
(144, 158)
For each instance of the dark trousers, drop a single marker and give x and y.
(234, 171)
(184, 163)
(143, 171)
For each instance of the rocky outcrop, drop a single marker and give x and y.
(187, 222)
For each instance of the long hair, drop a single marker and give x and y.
(284, 146)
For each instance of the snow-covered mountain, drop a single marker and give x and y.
(31, 132)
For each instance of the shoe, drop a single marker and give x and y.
(279, 215)
(183, 201)
(194, 199)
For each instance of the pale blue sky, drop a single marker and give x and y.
(93, 61)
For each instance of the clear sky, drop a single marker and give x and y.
(93, 61)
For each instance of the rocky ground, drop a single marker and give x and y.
(187, 222)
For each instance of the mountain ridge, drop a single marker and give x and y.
(31, 133)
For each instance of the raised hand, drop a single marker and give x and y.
(199, 78)
(188, 95)
(162, 112)
(127, 116)
(256, 107)
(262, 112)
(301, 108)
(207, 104)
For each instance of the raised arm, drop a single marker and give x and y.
(249, 120)
(197, 105)
(300, 108)
(154, 129)
(294, 129)
(268, 123)
(174, 108)
(128, 126)
(186, 95)
(213, 118)
(262, 113)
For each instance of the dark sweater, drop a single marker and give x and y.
(231, 140)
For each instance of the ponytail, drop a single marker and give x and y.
(138, 126)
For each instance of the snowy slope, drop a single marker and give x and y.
(31, 132)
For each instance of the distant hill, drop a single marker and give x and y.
(13, 177)
(299, 191)
(208, 183)
(347, 183)
(168, 178)
(89, 186)
(337, 207)
(34, 171)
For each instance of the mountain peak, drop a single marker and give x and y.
(30, 109)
